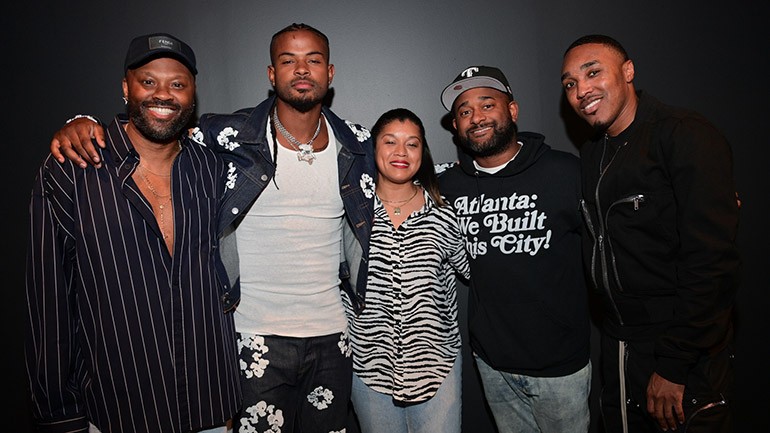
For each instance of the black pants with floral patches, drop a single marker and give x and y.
(294, 384)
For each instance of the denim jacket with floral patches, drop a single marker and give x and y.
(240, 138)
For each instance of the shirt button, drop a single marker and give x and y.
(264, 178)
(234, 211)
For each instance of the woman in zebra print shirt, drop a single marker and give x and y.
(406, 342)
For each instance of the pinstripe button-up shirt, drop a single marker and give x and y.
(123, 334)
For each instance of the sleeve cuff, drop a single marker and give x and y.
(73, 425)
(82, 116)
(673, 370)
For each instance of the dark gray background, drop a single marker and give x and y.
(64, 58)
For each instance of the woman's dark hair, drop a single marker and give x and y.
(426, 173)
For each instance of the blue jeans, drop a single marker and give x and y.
(294, 385)
(441, 414)
(527, 404)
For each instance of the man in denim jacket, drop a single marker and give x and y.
(295, 228)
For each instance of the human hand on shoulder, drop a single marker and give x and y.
(74, 141)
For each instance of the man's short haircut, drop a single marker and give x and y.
(602, 40)
(296, 27)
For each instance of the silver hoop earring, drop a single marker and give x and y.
(125, 101)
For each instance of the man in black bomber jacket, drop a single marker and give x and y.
(661, 207)
(518, 205)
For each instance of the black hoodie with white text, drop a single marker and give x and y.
(528, 307)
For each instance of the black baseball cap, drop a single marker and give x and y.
(472, 77)
(149, 47)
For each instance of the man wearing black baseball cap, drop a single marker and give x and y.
(518, 201)
(127, 327)
(325, 150)
(156, 45)
(475, 76)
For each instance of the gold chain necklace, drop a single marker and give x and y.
(152, 172)
(397, 209)
(161, 199)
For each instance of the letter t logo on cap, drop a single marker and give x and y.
(469, 72)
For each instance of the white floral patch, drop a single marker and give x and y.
(196, 135)
(367, 185)
(262, 410)
(321, 398)
(362, 134)
(344, 344)
(224, 138)
(232, 176)
(253, 365)
(444, 166)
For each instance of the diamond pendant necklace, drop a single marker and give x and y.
(397, 209)
(304, 150)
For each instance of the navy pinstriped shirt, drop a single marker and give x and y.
(122, 334)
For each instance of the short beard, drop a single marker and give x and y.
(165, 131)
(503, 137)
(303, 105)
(600, 127)
(304, 101)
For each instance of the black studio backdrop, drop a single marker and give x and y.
(65, 58)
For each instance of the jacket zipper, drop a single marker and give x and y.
(592, 231)
(602, 228)
(636, 199)
(721, 402)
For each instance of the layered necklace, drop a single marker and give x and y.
(162, 200)
(399, 203)
(304, 150)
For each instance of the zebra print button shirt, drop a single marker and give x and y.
(407, 338)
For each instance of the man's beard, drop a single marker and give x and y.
(159, 132)
(503, 136)
(600, 126)
(305, 101)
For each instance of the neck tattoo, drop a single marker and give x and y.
(397, 209)
(304, 150)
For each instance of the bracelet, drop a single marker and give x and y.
(81, 116)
